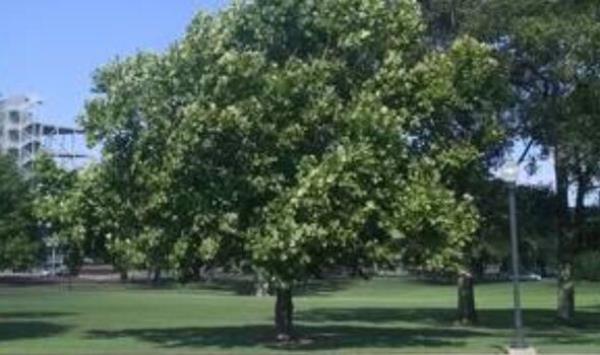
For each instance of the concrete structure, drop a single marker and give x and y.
(23, 136)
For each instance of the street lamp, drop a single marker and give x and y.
(52, 242)
(510, 173)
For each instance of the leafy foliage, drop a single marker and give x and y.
(303, 137)
(51, 185)
(19, 246)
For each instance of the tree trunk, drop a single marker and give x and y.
(566, 290)
(570, 242)
(466, 299)
(156, 276)
(196, 273)
(284, 310)
(123, 275)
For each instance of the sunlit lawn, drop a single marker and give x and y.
(379, 316)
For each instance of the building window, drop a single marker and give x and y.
(14, 116)
(13, 135)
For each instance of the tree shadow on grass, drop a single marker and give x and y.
(24, 325)
(543, 319)
(17, 330)
(28, 315)
(342, 328)
(541, 324)
(26, 281)
(312, 337)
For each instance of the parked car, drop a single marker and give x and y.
(527, 276)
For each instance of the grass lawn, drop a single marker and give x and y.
(379, 316)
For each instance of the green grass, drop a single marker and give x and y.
(378, 316)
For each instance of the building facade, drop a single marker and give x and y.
(23, 136)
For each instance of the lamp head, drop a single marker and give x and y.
(510, 172)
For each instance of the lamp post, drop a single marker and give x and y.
(510, 173)
(52, 242)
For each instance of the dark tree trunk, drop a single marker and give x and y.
(571, 242)
(123, 275)
(156, 276)
(466, 299)
(196, 273)
(566, 289)
(566, 292)
(284, 311)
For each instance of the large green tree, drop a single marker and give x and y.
(297, 136)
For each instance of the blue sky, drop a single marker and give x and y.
(50, 48)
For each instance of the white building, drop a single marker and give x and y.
(23, 136)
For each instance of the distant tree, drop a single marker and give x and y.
(486, 127)
(20, 247)
(87, 215)
(551, 49)
(51, 185)
(106, 214)
(296, 136)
